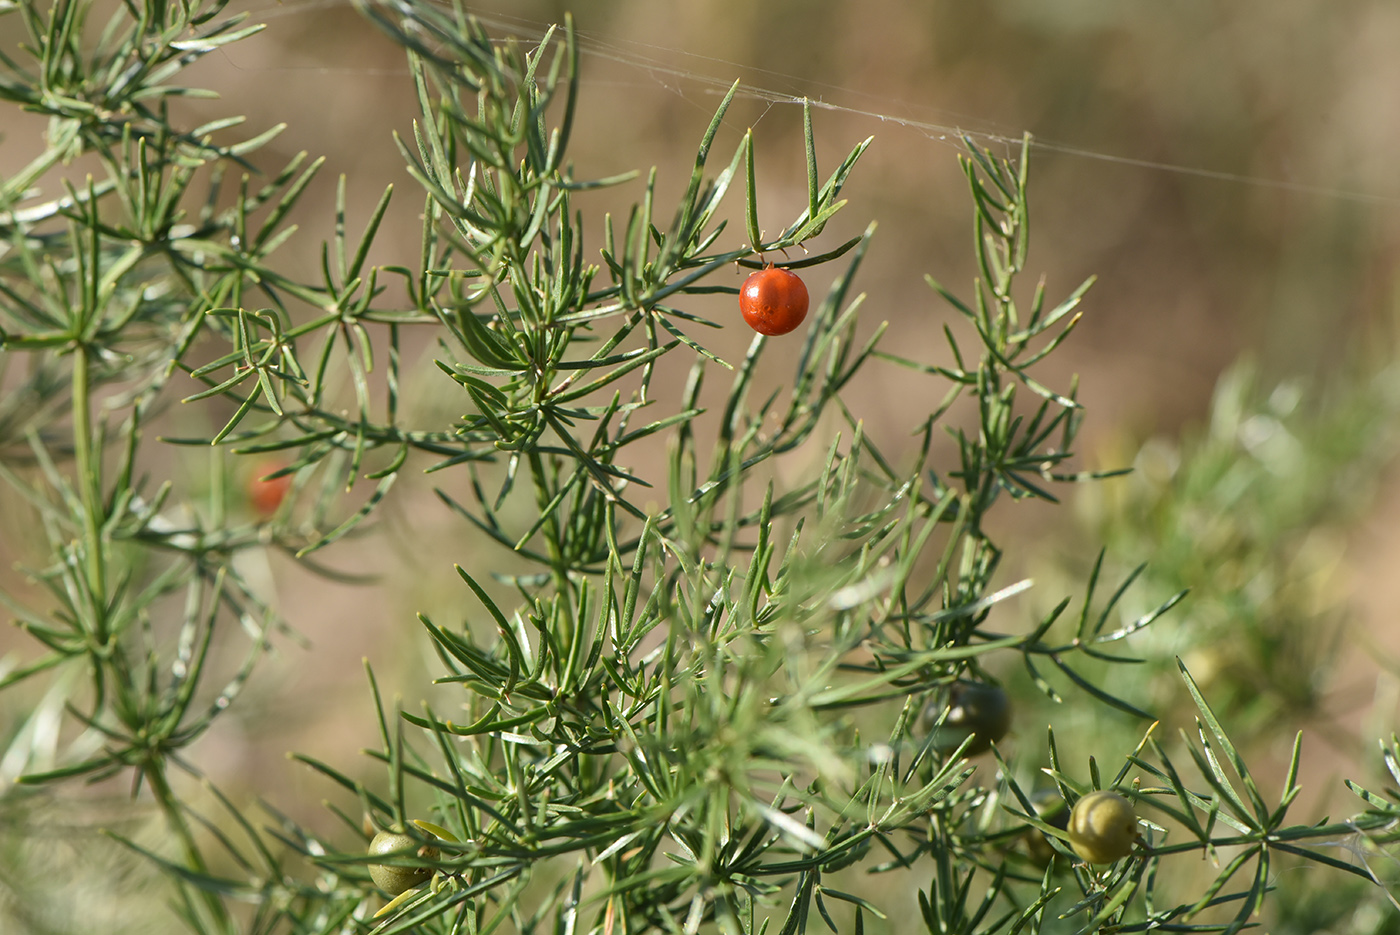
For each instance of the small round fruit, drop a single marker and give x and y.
(396, 879)
(974, 708)
(1102, 827)
(267, 493)
(1050, 808)
(773, 301)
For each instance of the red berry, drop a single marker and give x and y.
(773, 301)
(266, 493)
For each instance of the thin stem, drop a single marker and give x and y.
(169, 802)
(88, 466)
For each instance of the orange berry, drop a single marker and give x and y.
(773, 301)
(267, 493)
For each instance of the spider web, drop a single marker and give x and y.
(688, 75)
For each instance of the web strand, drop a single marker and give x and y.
(658, 64)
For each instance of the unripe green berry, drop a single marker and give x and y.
(396, 879)
(974, 708)
(1050, 808)
(1102, 827)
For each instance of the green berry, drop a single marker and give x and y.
(394, 879)
(1051, 809)
(1102, 827)
(974, 708)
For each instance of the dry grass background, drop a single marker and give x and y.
(1284, 246)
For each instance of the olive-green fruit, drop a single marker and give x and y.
(974, 708)
(1050, 808)
(396, 879)
(1102, 827)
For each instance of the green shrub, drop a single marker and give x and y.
(693, 715)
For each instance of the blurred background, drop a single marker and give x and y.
(1228, 171)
